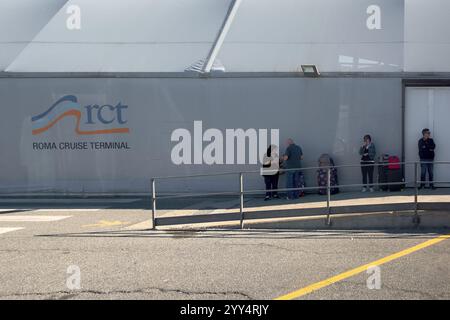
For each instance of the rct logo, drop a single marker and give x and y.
(91, 115)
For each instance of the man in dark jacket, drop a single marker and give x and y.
(368, 153)
(426, 154)
(292, 162)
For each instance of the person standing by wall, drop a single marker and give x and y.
(426, 155)
(271, 171)
(292, 162)
(367, 153)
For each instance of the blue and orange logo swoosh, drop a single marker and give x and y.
(65, 107)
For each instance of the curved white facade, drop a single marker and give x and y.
(264, 36)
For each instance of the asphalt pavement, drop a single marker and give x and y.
(42, 249)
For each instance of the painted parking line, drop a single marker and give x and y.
(106, 223)
(65, 201)
(68, 210)
(6, 230)
(17, 218)
(350, 273)
(52, 210)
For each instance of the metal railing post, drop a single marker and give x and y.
(328, 222)
(241, 199)
(416, 194)
(153, 204)
(416, 184)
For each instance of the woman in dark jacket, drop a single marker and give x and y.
(367, 153)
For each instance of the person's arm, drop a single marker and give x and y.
(372, 152)
(361, 150)
(267, 160)
(420, 148)
(301, 154)
(287, 154)
(432, 145)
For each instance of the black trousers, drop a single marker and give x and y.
(271, 184)
(367, 173)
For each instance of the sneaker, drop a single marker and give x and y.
(364, 189)
(371, 190)
(266, 198)
(276, 197)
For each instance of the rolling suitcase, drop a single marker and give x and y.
(334, 180)
(302, 184)
(322, 177)
(394, 174)
(322, 181)
(383, 172)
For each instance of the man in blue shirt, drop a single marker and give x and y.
(292, 161)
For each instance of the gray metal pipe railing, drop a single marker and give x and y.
(241, 198)
(328, 197)
(241, 193)
(376, 164)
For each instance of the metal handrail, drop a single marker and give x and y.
(202, 175)
(242, 191)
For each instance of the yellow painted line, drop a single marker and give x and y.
(352, 272)
(106, 223)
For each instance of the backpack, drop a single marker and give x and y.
(326, 160)
(394, 163)
(384, 159)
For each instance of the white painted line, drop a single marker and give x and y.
(6, 230)
(16, 218)
(73, 201)
(67, 210)
(51, 210)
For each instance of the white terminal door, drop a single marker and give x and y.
(428, 107)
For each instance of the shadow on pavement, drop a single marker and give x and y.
(200, 203)
(260, 234)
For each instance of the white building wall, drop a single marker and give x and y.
(280, 36)
(20, 22)
(323, 116)
(265, 36)
(427, 36)
(125, 36)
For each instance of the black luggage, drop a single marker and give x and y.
(395, 176)
(302, 184)
(322, 175)
(383, 163)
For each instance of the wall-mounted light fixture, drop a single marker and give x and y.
(310, 70)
